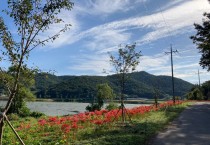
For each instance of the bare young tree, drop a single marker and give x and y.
(125, 62)
(31, 18)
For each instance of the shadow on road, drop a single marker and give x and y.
(191, 128)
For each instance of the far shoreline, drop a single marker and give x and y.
(132, 101)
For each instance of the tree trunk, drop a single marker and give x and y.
(11, 97)
(1, 129)
(123, 112)
(122, 98)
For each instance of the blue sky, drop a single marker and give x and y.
(99, 26)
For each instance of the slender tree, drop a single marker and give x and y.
(125, 62)
(31, 18)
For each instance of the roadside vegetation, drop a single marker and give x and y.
(199, 92)
(32, 19)
(93, 128)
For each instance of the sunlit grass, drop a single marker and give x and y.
(136, 132)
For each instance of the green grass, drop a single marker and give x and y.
(142, 128)
(138, 132)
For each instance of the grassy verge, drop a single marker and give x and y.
(142, 128)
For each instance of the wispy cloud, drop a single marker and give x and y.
(105, 8)
(95, 64)
(172, 4)
(106, 40)
(152, 62)
(100, 7)
(68, 17)
(178, 18)
(175, 18)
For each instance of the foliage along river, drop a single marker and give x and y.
(60, 108)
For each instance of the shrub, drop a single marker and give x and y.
(13, 116)
(93, 107)
(112, 106)
(36, 114)
(24, 111)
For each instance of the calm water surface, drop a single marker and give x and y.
(60, 108)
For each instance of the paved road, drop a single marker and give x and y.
(191, 128)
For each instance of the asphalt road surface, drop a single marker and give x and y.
(191, 128)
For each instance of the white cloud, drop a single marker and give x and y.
(176, 20)
(98, 7)
(107, 7)
(149, 63)
(94, 63)
(172, 3)
(192, 76)
(160, 64)
(103, 41)
(69, 17)
(179, 19)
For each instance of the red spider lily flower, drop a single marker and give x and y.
(98, 122)
(107, 120)
(42, 122)
(74, 125)
(65, 128)
(98, 112)
(53, 119)
(62, 120)
(91, 113)
(75, 119)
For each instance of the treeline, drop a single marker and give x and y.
(138, 85)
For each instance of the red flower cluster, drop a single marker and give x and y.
(98, 118)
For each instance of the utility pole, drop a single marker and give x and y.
(199, 80)
(172, 71)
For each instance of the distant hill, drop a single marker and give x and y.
(139, 85)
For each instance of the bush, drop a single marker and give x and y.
(93, 107)
(112, 106)
(24, 111)
(13, 116)
(36, 114)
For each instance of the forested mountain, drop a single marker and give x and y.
(138, 85)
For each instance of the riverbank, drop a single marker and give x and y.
(61, 108)
(98, 127)
(128, 101)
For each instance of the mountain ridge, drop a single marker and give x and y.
(139, 85)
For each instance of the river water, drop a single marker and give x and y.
(60, 108)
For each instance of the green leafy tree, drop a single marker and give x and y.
(104, 91)
(195, 94)
(206, 89)
(202, 40)
(125, 62)
(24, 93)
(31, 18)
(199, 92)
